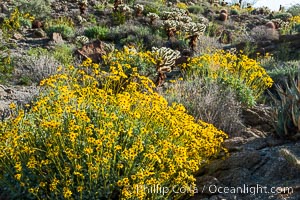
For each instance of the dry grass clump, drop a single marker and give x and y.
(262, 33)
(208, 101)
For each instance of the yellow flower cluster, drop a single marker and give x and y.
(83, 139)
(226, 65)
(295, 20)
(181, 5)
(13, 22)
(131, 61)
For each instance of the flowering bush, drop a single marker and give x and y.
(85, 139)
(130, 59)
(237, 70)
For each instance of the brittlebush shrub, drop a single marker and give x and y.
(86, 139)
(238, 71)
(128, 59)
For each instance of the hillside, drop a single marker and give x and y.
(115, 99)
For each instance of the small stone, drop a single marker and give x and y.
(39, 33)
(56, 38)
(17, 36)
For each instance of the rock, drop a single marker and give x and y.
(17, 36)
(56, 38)
(259, 117)
(2, 92)
(234, 144)
(94, 50)
(37, 24)
(39, 33)
(3, 8)
(270, 25)
(223, 17)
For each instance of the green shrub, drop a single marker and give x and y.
(294, 10)
(38, 8)
(282, 16)
(151, 8)
(281, 72)
(118, 18)
(66, 32)
(242, 74)
(234, 12)
(82, 141)
(63, 54)
(196, 9)
(6, 67)
(97, 32)
(25, 22)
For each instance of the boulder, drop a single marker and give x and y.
(94, 50)
(56, 38)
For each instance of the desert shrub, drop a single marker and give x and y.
(38, 8)
(6, 66)
(97, 32)
(261, 33)
(134, 34)
(65, 31)
(207, 44)
(63, 54)
(281, 72)
(79, 140)
(294, 10)
(181, 5)
(15, 21)
(38, 63)
(212, 29)
(118, 18)
(286, 108)
(142, 62)
(151, 8)
(234, 12)
(283, 16)
(238, 71)
(63, 25)
(61, 20)
(196, 9)
(208, 100)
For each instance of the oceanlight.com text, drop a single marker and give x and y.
(214, 189)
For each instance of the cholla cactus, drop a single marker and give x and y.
(165, 60)
(185, 19)
(175, 14)
(194, 30)
(124, 8)
(81, 19)
(82, 39)
(138, 9)
(117, 3)
(170, 27)
(153, 17)
(203, 20)
(109, 47)
(169, 24)
(83, 4)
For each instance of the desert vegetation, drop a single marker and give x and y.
(128, 95)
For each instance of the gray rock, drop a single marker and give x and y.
(56, 38)
(39, 33)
